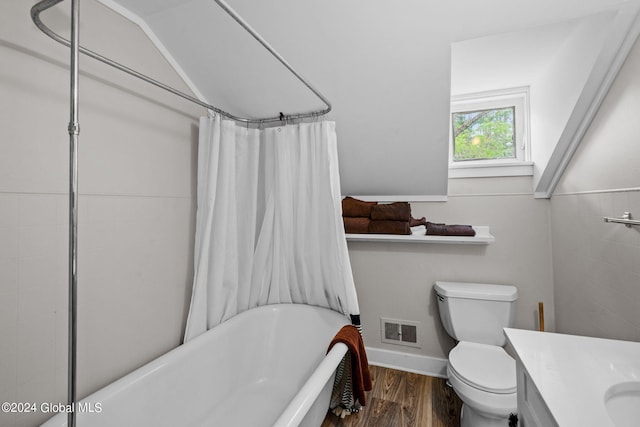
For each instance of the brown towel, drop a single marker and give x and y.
(436, 229)
(398, 211)
(356, 208)
(356, 225)
(360, 375)
(389, 227)
(415, 222)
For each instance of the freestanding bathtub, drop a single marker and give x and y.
(264, 367)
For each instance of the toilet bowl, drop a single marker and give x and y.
(484, 377)
(480, 371)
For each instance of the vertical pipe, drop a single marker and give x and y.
(74, 130)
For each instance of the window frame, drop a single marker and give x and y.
(521, 164)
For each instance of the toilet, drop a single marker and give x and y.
(480, 371)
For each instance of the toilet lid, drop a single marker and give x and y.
(486, 367)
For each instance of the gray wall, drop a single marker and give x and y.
(137, 210)
(137, 207)
(395, 280)
(597, 265)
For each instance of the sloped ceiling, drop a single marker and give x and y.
(385, 66)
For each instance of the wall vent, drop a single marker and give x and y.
(400, 332)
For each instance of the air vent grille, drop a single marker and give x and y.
(400, 332)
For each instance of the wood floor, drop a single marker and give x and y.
(403, 399)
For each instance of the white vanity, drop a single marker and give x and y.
(575, 381)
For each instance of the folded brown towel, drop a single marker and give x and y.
(436, 228)
(439, 229)
(460, 230)
(389, 227)
(397, 211)
(415, 222)
(360, 375)
(356, 225)
(353, 207)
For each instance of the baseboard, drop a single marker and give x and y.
(425, 365)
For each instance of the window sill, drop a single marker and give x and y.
(479, 171)
(482, 237)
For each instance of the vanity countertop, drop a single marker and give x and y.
(573, 373)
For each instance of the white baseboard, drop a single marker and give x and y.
(425, 365)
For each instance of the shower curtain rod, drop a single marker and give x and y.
(46, 4)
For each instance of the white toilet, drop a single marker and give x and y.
(482, 374)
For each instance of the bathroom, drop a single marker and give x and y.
(138, 193)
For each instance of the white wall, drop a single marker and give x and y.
(554, 61)
(385, 67)
(395, 280)
(381, 89)
(137, 207)
(506, 60)
(137, 210)
(596, 264)
(556, 90)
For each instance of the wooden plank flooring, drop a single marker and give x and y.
(404, 399)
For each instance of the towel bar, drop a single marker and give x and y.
(626, 220)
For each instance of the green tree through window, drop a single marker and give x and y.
(484, 134)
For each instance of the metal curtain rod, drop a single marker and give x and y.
(46, 4)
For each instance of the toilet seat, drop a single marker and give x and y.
(484, 367)
(484, 377)
(492, 405)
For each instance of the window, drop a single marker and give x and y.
(489, 134)
(484, 134)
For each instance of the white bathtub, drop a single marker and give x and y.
(264, 367)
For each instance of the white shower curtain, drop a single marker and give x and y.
(268, 225)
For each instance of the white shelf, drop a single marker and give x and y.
(482, 237)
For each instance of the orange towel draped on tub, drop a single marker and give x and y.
(360, 376)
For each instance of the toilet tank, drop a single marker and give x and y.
(476, 312)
